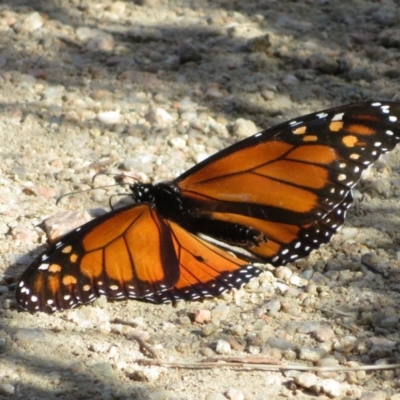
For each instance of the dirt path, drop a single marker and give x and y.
(151, 87)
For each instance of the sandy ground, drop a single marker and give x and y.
(149, 88)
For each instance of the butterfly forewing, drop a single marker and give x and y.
(293, 175)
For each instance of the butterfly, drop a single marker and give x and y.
(272, 198)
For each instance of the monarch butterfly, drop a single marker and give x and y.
(273, 197)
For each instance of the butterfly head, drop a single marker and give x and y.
(164, 196)
(143, 192)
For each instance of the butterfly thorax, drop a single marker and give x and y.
(164, 197)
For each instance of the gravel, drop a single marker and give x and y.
(147, 89)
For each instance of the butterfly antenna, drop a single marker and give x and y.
(117, 177)
(115, 195)
(71, 194)
(83, 191)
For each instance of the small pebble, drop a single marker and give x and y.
(188, 52)
(31, 23)
(306, 380)
(24, 235)
(238, 330)
(390, 38)
(54, 377)
(235, 344)
(7, 389)
(178, 142)
(331, 387)
(290, 80)
(382, 186)
(281, 344)
(384, 16)
(220, 312)
(77, 367)
(101, 42)
(215, 396)
(324, 63)
(323, 334)
(308, 327)
(3, 289)
(379, 395)
(361, 73)
(159, 118)
(117, 7)
(273, 353)
(223, 347)
(202, 316)
(290, 306)
(234, 394)
(328, 361)
(102, 369)
(29, 335)
(60, 224)
(297, 281)
(89, 318)
(283, 273)
(379, 352)
(149, 374)
(311, 354)
(209, 329)
(273, 306)
(254, 350)
(161, 395)
(389, 322)
(348, 233)
(83, 33)
(213, 93)
(346, 344)
(244, 128)
(109, 117)
(259, 44)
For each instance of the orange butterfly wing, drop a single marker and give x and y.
(128, 252)
(205, 269)
(293, 182)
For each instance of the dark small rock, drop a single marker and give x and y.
(361, 73)
(390, 38)
(187, 53)
(324, 63)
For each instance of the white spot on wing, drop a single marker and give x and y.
(338, 117)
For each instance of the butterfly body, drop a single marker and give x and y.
(273, 197)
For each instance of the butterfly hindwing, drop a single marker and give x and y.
(205, 269)
(126, 253)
